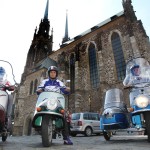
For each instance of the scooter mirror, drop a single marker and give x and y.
(67, 81)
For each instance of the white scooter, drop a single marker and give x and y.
(49, 116)
(6, 103)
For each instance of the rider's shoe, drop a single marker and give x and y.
(68, 142)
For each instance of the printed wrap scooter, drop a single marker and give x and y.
(6, 103)
(116, 116)
(49, 114)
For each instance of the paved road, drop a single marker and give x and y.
(117, 142)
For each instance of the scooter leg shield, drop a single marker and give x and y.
(9, 105)
(2, 114)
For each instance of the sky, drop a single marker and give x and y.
(19, 19)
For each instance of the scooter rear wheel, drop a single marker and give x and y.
(47, 131)
(107, 135)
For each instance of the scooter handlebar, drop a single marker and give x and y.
(40, 90)
(7, 87)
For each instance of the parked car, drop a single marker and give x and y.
(86, 123)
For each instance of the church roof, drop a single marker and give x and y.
(46, 63)
(95, 27)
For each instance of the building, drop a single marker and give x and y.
(94, 61)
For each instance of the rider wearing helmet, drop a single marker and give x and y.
(3, 81)
(136, 76)
(53, 84)
(2, 73)
(135, 70)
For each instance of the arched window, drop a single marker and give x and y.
(72, 72)
(44, 75)
(94, 78)
(118, 56)
(31, 87)
(35, 85)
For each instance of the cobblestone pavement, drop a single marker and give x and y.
(117, 142)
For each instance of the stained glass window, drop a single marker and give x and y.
(94, 78)
(118, 56)
(35, 85)
(72, 72)
(31, 87)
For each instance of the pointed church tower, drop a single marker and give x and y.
(133, 23)
(128, 10)
(66, 37)
(41, 45)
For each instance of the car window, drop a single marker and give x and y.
(94, 117)
(85, 116)
(75, 116)
(90, 116)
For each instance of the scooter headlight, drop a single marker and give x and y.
(141, 101)
(52, 104)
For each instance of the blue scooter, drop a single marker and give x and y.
(116, 116)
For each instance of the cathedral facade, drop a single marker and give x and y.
(93, 61)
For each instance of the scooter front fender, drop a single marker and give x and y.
(140, 111)
(37, 119)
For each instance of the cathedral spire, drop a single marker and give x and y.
(66, 38)
(41, 45)
(44, 26)
(46, 10)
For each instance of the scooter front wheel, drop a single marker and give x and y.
(107, 135)
(47, 131)
(4, 137)
(147, 121)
